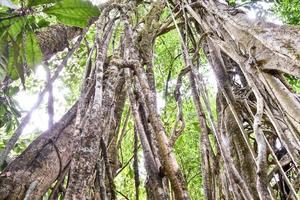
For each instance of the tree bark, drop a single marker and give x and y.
(48, 154)
(55, 38)
(253, 110)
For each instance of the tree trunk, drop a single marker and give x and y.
(49, 154)
(255, 108)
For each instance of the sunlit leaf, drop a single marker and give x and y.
(12, 62)
(73, 12)
(33, 52)
(4, 24)
(16, 27)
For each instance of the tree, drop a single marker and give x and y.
(79, 156)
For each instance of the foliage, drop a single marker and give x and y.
(20, 53)
(73, 12)
(18, 42)
(289, 10)
(32, 50)
(8, 111)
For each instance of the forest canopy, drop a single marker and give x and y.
(133, 99)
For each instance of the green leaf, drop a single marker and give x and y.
(3, 58)
(16, 28)
(2, 73)
(12, 91)
(12, 62)
(15, 64)
(43, 23)
(3, 11)
(2, 110)
(71, 21)
(33, 53)
(4, 24)
(40, 2)
(73, 12)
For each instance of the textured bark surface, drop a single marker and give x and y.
(256, 108)
(244, 158)
(207, 156)
(97, 120)
(56, 38)
(48, 154)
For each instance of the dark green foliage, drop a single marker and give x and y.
(19, 47)
(8, 109)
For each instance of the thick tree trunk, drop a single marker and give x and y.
(253, 112)
(42, 161)
(95, 122)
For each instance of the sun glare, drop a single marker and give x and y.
(98, 2)
(39, 118)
